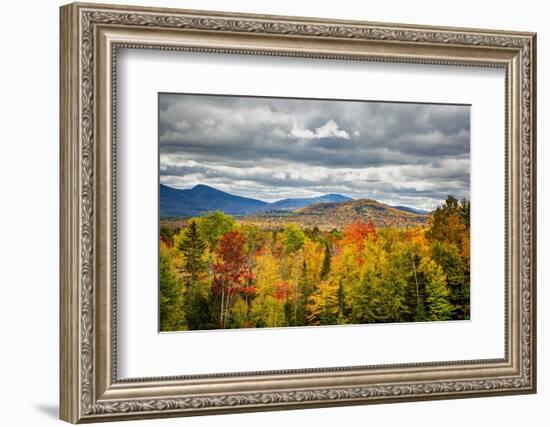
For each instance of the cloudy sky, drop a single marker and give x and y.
(274, 148)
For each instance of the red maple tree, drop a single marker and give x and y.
(232, 274)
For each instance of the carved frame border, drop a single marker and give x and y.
(89, 387)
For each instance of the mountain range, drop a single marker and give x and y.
(201, 199)
(176, 203)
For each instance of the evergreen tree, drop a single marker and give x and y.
(196, 302)
(437, 294)
(192, 247)
(341, 297)
(449, 258)
(390, 293)
(301, 294)
(171, 298)
(464, 211)
(325, 268)
(420, 312)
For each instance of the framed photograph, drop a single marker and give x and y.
(266, 213)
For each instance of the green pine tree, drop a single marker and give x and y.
(437, 293)
(171, 298)
(325, 267)
(196, 306)
(449, 258)
(193, 248)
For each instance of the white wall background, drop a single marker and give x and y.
(29, 170)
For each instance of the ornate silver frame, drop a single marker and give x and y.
(90, 36)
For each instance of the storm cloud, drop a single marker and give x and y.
(273, 148)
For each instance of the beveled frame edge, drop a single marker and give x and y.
(88, 390)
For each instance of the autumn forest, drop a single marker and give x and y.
(219, 271)
(308, 212)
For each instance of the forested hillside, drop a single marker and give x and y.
(329, 216)
(217, 271)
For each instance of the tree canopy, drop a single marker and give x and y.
(218, 273)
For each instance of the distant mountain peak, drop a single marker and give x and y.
(204, 187)
(334, 197)
(202, 198)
